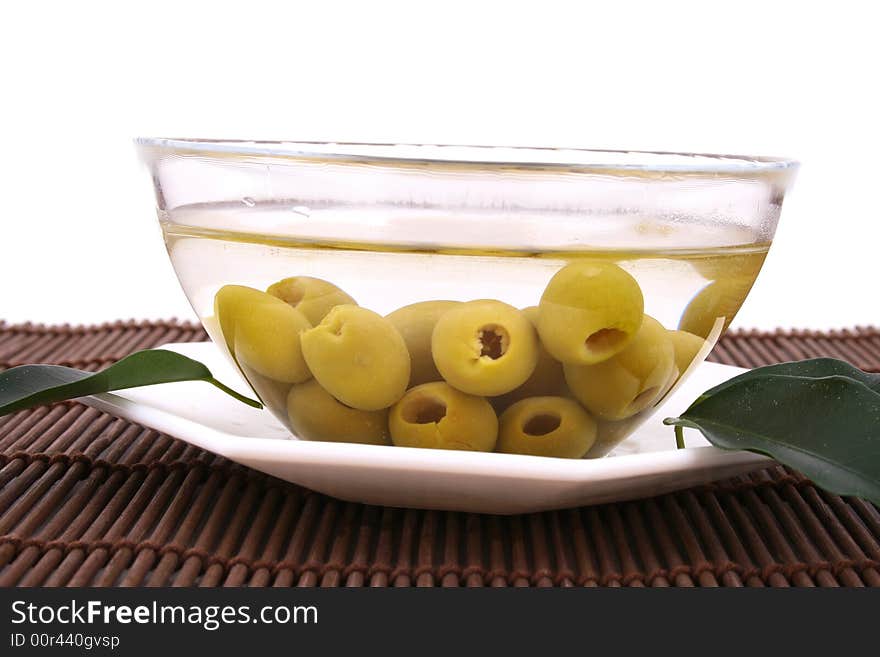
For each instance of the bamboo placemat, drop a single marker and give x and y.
(88, 499)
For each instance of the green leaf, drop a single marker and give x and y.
(35, 385)
(812, 368)
(821, 417)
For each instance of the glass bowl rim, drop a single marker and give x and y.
(528, 157)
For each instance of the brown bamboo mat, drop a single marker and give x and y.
(88, 499)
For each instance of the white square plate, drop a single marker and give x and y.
(645, 464)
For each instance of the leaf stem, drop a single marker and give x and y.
(231, 392)
(679, 437)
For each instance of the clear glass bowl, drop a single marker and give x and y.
(679, 237)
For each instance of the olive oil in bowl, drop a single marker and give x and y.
(648, 295)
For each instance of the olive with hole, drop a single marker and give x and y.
(313, 297)
(629, 381)
(262, 332)
(315, 414)
(589, 311)
(484, 347)
(437, 416)
(358, 357)
(546, 426)
(547, 380)
(415, 323)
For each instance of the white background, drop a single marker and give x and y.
(80, 79)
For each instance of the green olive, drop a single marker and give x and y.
(314, 414)
(731, 277)
(416, 324)
(546, 426)
(686, 347)
(589, 312)
(313, 297)
(263, 333)
(437, 416)
(611, 433)
(629, 381)
(484, 347)
(358, 357)
(720, 299)
(229, 303)
(547, 380)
